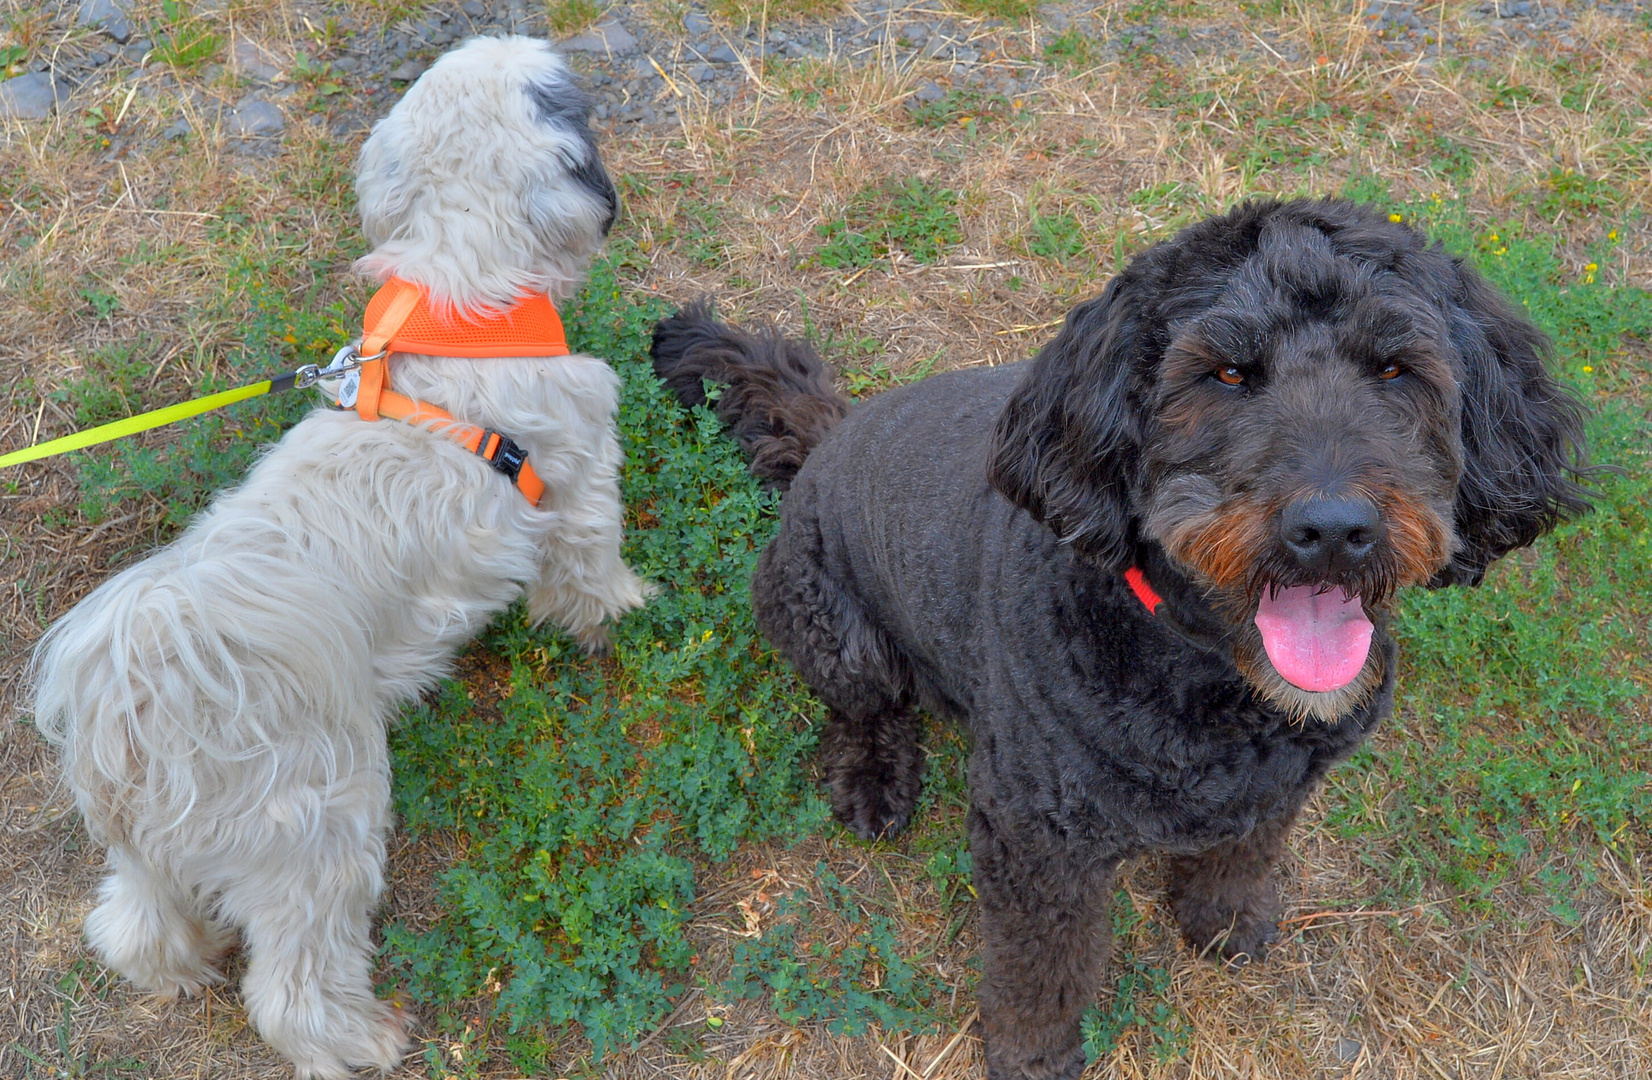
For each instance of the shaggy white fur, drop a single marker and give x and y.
(221, 706)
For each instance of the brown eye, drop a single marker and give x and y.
(1389, 371)
(1232, 376)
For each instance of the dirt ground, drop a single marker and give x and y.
(1124, 120)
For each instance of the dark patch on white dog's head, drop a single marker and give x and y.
(563, 104)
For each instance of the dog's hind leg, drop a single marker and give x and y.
(306, 905)
(874, 769)
(1225, 899)
(869, 750)
(152, 930)
(1045, 936)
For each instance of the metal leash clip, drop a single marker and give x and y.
(346, 360)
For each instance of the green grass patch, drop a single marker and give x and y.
(1008, 10)
(911, 215)
(1565, 192)
(1056, 236)
(1137, 1005)
(755, 12)
(848, 980)
(967, 108)
(1070, 49)
(566, 16)
(182, 39)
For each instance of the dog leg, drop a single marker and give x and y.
(1045, 936)
(308, 988)
(584, 581)
(152, 932)
(873, 764)
(1226, 897)
(874, 770)
(581, 604)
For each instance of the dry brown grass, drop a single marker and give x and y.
(1425, 992)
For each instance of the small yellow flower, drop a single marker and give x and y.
(1587, 370)
(1396, 218)
(1592, 267)
(1494, 238)
(1613, 235)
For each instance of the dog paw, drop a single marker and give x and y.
(159, 949)
(378, 1040)
(1020, 1065)
(868, 803)
(1233, 936)
(595, 641)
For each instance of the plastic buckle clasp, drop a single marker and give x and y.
(507, 457)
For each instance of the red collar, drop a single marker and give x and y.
(1144, 592)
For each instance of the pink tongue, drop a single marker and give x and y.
(1316, 640)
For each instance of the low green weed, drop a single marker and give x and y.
(566, 16)
(911, 215)
(967, 108)
(1567, 192)
(1070, 49)
(1057, 236)
(864, 980)
(876, 377)
(1008, 10)
(182, 39)
(742, 13)
(1138, 1003)
(107, 389)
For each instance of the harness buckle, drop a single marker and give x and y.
(498, 450)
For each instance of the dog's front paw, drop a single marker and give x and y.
(1009, 1060)
(1234, 934)
(596, 641)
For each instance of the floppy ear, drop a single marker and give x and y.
(1067, 443)
(1522, 432)
(561, 104)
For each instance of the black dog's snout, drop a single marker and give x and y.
(1325, 535)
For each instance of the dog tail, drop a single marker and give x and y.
(777, 397)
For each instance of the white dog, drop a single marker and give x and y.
(221, 707)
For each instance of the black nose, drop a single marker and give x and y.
(1327, 535)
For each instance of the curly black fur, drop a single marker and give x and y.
(958, 546)
(777, 396)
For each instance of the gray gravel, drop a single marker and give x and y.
(113, 17)
(31, 97)
(618, 56)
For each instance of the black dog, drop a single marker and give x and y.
(1154, 568)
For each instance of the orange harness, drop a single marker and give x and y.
(399, 320)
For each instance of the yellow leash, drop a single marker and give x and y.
(346, 360)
